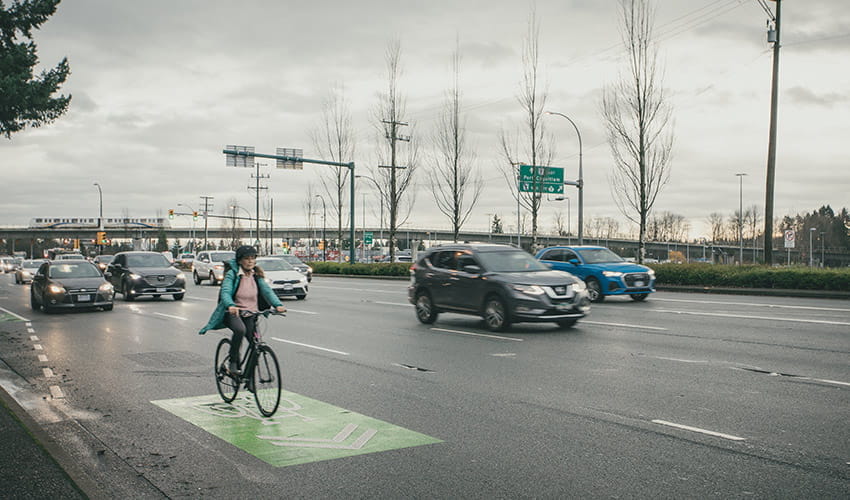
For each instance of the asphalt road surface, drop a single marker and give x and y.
(682, 396)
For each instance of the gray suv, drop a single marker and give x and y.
(500, 283)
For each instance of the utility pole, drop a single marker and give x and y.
(393, 136)
(257, 193)
(771, 147)
(206, 219)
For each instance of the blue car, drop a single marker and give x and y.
(604, 272)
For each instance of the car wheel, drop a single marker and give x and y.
(125, 290)
(108, 308)
(36, 306)
(213, 281)
(44, 307)
(594, 290)
(567, 323)
(639, 297)
(196, 277)
(496, 315)
(178, 296)
(425, 311)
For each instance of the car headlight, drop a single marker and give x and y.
(579, 286)
(56, 289)
(134, 276)
(529, 289)
(105, 287)
(651, 272)
(303, 281)
(612, 274)
(181, 276)
(309, 269)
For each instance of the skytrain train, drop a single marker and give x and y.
(91, 223)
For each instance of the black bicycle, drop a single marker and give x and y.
(259, 371)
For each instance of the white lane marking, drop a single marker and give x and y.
(38, 347)
(42, 358)
(825, 381)
(311, 346)
(201, 298)
(750, 304)
(13, 314)
(29, 324)
(300, 311)
(355, 289)
(698, 361)
(697, 429)
(768, 318)
(170, 316)
(624, 325)
(56, 392)
(476, 334)
(394, 304)
(30, 330)
(34, 338)
(47, 372)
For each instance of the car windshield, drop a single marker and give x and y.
(147, 260)
(71, 257)
(33, 264)
(292, 260)
(599, 255)
(104, 258)
(222, 256)
(74, 270)
(510, 261)
(274, 265)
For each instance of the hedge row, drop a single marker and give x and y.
(796, 278)
(377, 269)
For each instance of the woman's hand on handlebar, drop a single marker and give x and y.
(233, 310)
(280, 309)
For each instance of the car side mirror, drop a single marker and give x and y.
(472, 269)
(107, 274)
(574, 262)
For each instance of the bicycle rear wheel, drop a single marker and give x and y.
(266, 381)
(226, 385)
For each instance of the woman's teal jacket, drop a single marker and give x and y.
(266, 297)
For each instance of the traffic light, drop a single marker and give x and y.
(101, 238)
(195, 215)
(170, 213)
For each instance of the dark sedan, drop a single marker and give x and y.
(68, 284)
(137, 274)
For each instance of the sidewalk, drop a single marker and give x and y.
(28, 457)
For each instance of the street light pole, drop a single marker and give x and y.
(741, 219)
(99, 217)
(811, 256)
(821, 249)
(580, 182)
(324, 214)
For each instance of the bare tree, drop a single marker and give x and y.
(637, 118)
(715, 222)
(535, 147)
(559, 220)
(394, 179)
(334, 139)
(455, 183)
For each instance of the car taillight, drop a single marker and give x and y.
(413, 268)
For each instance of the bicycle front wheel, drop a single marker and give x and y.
(227, 386)
(266, 381)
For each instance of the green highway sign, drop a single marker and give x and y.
(303, 430)
(538, 179)
(367, 238)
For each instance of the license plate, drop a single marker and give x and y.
(160, 290)
(638, 283)
(83, 298)
(287, 286)
(562, 307)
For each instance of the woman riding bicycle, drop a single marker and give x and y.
(238, 294)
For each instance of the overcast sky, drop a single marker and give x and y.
(160, 87)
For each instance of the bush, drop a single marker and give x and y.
(794, 278)
(377, 269)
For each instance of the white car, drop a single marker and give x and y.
(285, 280)
(209, 265)
(27, 270)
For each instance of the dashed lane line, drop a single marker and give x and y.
(171, 316)
(311, 346)
(751, 304)
(394, 304)
(461, 332)
(643, 327)
(697, 429)
(767, 318)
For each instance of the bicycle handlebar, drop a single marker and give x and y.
(269, 311)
